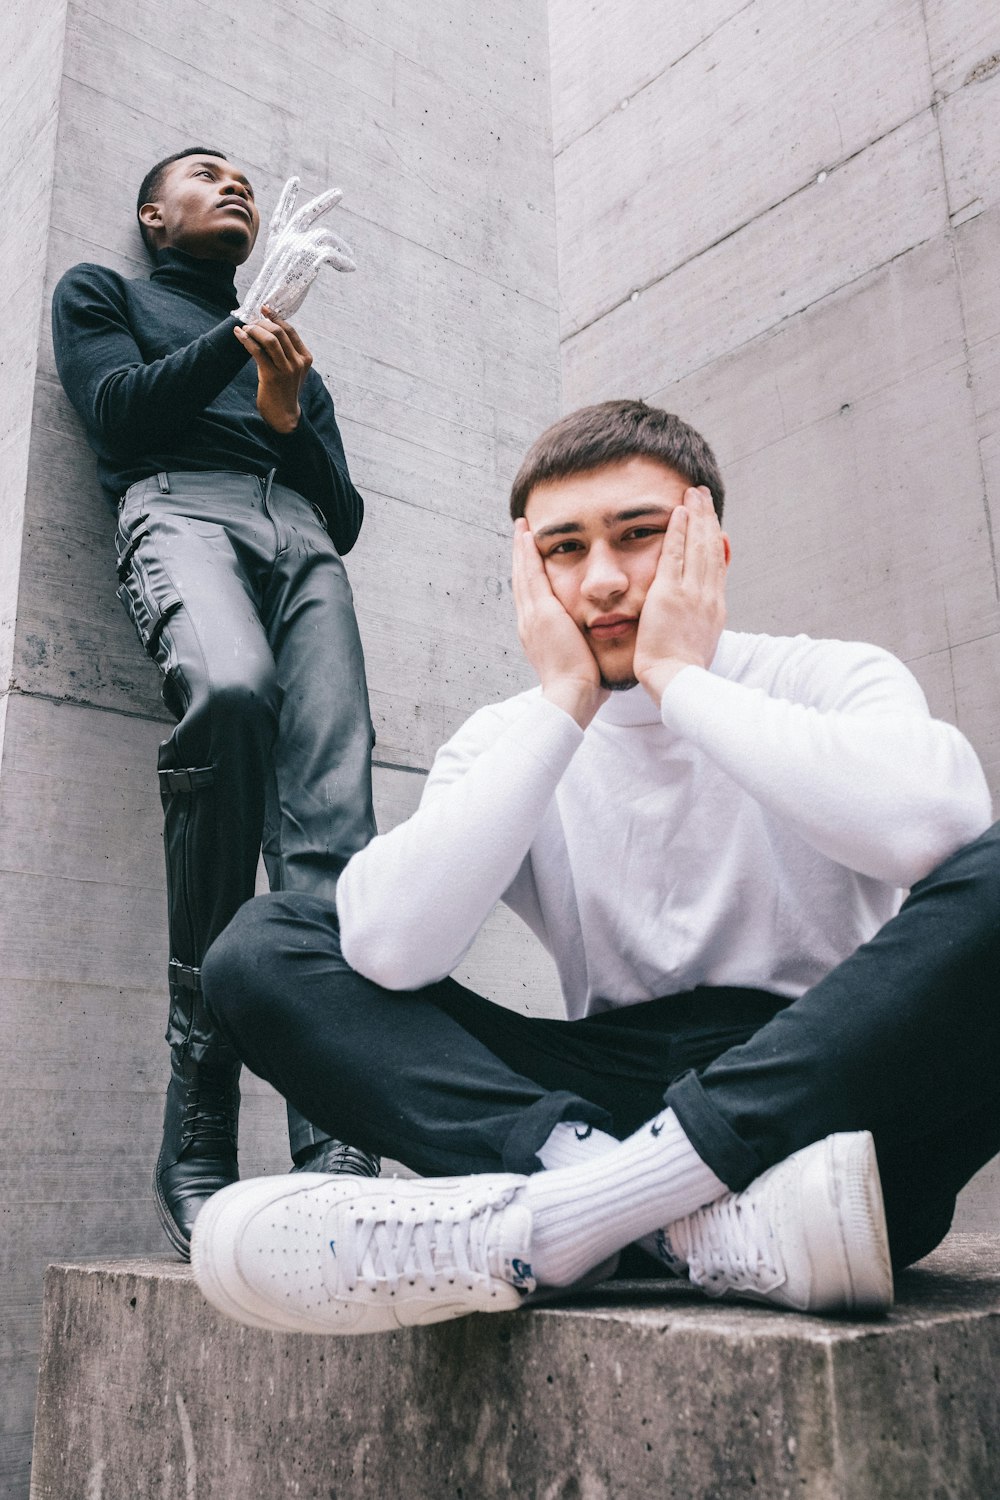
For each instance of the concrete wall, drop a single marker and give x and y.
(783, 222)
(442, 354)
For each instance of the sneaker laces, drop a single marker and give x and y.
(729, 1245)
(388, 1247)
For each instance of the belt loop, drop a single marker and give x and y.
(164, 483)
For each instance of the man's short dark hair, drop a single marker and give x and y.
(152, 182)
(610, 433)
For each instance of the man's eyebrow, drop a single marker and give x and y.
(561, 528)
(654, 512)
(640, 512)
(213, 162)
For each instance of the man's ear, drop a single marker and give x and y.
(728, 550)
(151, 215)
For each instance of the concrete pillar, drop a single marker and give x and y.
(783, 222)
(442, 357)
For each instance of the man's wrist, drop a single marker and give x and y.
(284, 423)
(657, 678)
(580, 700)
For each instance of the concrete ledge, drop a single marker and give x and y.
(647, 1391)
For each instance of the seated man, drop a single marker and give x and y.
(218, 446)
(710, 832)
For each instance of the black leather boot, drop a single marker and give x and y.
(198, 1154)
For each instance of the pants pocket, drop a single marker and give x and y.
(145, 591)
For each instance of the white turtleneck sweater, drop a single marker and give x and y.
(753, 832)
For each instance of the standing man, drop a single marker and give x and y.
(710, 832)
(217, 442)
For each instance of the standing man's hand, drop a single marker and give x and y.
(685, 609)
(283, 362)
(553, 644)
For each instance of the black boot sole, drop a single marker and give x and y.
(174, 1234)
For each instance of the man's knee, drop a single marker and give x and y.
(973, 869)
(238, 971)
(257, 959)
(245, 702)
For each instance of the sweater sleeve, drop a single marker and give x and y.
(412, 901)
(313, 462)
(845, 751)
(127, 404)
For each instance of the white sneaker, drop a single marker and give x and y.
(314, 1254)
(807, 1234)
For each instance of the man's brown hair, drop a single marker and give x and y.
(610, 433)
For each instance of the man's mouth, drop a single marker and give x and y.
(235, 203)
(611, 627)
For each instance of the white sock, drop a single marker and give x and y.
(572, 1143)
(582, 1214)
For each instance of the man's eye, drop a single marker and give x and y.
(561, 548)
(640, 533)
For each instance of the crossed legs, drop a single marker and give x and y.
(902, 1040)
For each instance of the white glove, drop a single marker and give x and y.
(293, 255)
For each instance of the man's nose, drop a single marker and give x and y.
(604, 576)
(239, 188)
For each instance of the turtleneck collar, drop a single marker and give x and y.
(210, 281)
(631, 707)
(634, 706)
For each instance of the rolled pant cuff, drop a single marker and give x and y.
(535, 1125)
(715, 1141)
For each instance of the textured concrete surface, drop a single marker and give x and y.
(146, 1394)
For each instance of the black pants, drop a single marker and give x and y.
(902, 1039)
(240, 597)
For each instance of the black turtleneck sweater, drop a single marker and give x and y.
(162, 384)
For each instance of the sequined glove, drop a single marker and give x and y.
(295, 250)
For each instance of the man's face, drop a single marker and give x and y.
(204, 206)
(599, 535)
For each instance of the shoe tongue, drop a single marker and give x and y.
(508, 1247)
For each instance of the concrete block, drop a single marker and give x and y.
(605, 55)
(977, 248)
(643, 1391)
(970, 138)
(962, 41)
(871, 209)
(735, 127)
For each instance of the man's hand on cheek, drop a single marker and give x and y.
(685, 609)
(552, 642)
